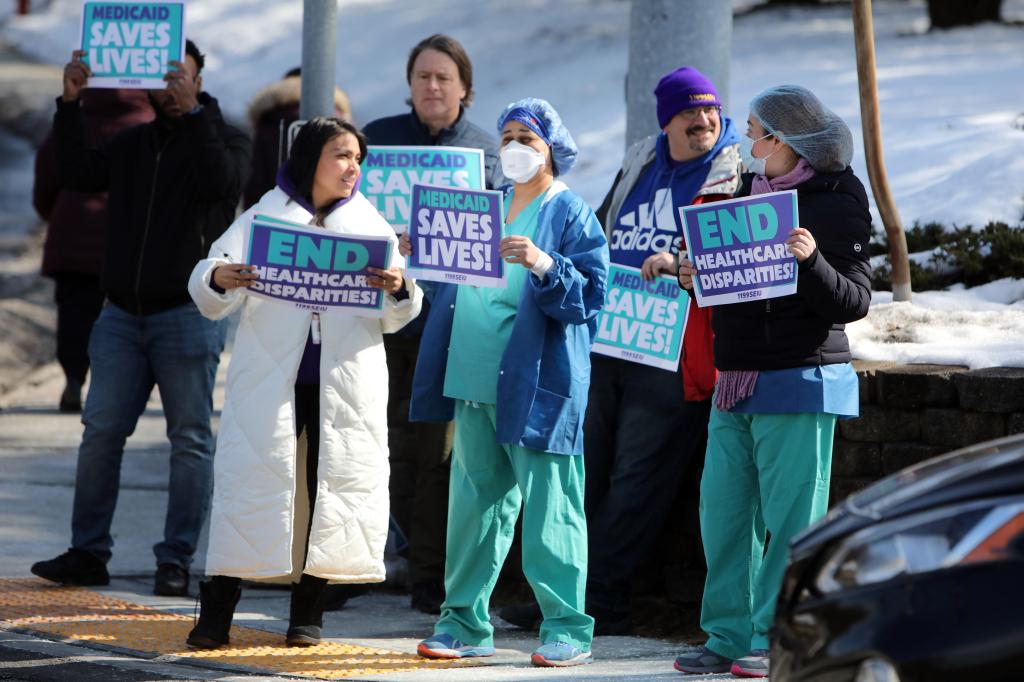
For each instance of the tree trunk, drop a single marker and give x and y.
(949, 13)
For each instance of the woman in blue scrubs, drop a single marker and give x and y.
(513, 367)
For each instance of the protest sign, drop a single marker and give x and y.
(455, 236)
(314, 269)
(739, 248)
(389, 173)
(129, 44)
(642, 321)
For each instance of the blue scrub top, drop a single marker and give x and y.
(483, 323)
(831, 389)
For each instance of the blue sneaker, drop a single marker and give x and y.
(558, 655)
(443, 645)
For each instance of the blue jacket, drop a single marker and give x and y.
(545, 370)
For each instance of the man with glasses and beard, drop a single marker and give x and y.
(173, 187)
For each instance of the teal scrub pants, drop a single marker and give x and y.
(488, 483)
(762, 472)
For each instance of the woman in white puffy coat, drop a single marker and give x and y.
(294, 372)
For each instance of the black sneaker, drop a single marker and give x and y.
(427, 597)
(525, 616)
(71, 398)
(73, 567)
(171, 581)
(702, 661)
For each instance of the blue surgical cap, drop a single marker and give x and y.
(798, 118)
(539, 116)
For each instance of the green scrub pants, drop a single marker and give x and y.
(762, 472)
(488, 483)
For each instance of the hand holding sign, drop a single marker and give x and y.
(686, 272)
(519, 250)
(233, 275)
(404, 245)
(182, 86)
(76, 74)
(389, 279)
(801, 244)
(657, 264)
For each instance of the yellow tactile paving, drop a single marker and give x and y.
(80, 614)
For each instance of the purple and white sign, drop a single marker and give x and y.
(739, 248)
(314, 269)
(455, 234)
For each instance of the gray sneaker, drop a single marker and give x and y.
(754, 664)
(703, 661)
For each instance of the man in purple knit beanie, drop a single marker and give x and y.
(684, 88)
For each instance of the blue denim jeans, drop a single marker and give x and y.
(178, 350)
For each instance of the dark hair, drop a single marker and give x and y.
(451, 47)
(192, 51)
(297, 71)
(309, 144)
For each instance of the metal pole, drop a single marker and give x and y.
(871, 125)
(667, 34)
(319, 29)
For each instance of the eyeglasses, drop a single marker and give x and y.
(691, 114)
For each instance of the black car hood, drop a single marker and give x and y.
(991, 469)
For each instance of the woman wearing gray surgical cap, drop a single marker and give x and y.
(513, 366)
(784, 378)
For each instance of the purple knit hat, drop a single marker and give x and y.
(684, 88)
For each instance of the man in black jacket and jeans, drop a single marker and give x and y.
(174, 185)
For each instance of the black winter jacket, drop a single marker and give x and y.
(407, 129)
(173, 189)
(833, 287)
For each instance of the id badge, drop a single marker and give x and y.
(315, 329)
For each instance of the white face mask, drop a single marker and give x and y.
(519, 162)
(753, 163)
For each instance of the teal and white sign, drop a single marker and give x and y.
(129, 44)
(643, 320)
(389, 173)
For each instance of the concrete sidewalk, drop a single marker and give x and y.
(38, 448)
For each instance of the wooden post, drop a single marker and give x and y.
(22, 6)
(864, 38)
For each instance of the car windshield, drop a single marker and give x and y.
(932, 474)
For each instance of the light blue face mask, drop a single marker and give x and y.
(753, 164)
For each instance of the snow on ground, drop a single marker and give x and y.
(979, 327)
(949, 103)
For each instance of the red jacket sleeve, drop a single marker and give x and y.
(698, 358)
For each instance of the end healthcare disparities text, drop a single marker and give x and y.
(314, 269)
(739, 247)
(129, 44)
(389, 173)
(455, 236)
(643, 320)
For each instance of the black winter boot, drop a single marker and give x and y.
(306, 617)
(217, 600)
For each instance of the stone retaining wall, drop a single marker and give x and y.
(910, 413)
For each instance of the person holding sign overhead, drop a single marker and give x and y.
(173, 184)
(440, 78)
(512, 367)
(784, 378)
(295, 373)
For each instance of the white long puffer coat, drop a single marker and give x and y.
(251, 524)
